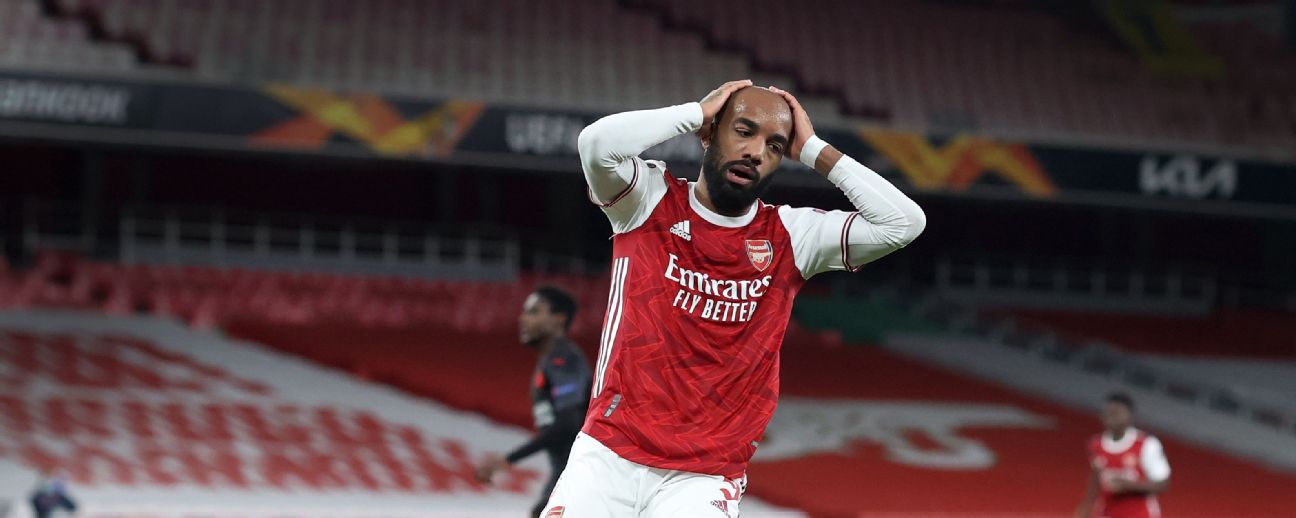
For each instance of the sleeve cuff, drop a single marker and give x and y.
(810, 151)
(692, 114)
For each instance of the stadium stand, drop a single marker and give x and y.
(815, 372)
(940, 428)
(1225, 332)
(1004, 71)
(29, 39)
(1171, 356)
(221, 344)
(1248, 353)
(558, 53)
(210, 296)
(141, 409)
(911, 66)
(428, 338)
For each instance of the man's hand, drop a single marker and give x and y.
(1118, 485)
(488, 469)
(714, 101)
(802, 129)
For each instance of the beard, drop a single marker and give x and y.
(728, 197)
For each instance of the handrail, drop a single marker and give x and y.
(223, 238)
(216, 239)
(1197, 285)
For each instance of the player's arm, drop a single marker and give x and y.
(67, 503)
(567, 384)
(886, 219)
(619, 181)
(1085, 510)
(547, 436)
(568, 387)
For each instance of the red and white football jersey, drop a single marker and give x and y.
(1137, 457)
(687, 376)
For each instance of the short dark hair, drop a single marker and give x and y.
(559, 302)
(1122, 398)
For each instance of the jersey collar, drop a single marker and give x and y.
(719, 219)
(1127, 440)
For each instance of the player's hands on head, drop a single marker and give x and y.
(714, 101)
(802, 129)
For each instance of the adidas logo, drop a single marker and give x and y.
(681, 229)
(721, 505)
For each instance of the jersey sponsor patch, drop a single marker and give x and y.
(740, 306)
(760, 252)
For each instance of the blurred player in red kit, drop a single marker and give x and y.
(703, 278)
(1128, 467)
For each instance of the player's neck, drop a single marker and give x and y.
(704, 197)
(547, 346)
(1117, 435)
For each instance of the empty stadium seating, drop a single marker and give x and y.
(1008, 71)
(1226, 332)
(863, 419)
(917, 66)
(28, 39)
(207, 296)
(587, 54)
(850, 462)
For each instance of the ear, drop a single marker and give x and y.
(707, 132)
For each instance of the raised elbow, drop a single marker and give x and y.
(591, 145)
(587, 141)
(915, 223)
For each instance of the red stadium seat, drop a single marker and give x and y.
(1227, 332)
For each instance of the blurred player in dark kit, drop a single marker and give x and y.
(559, 389)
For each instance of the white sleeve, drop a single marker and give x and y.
(644, 187)
(625, 186)
(1155, 465)
(886, 221)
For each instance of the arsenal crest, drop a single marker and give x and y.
(760, 252)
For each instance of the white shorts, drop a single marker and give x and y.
(598, 483)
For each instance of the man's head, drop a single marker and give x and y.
(744, 146)
(1119, 412)
(546, 314)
